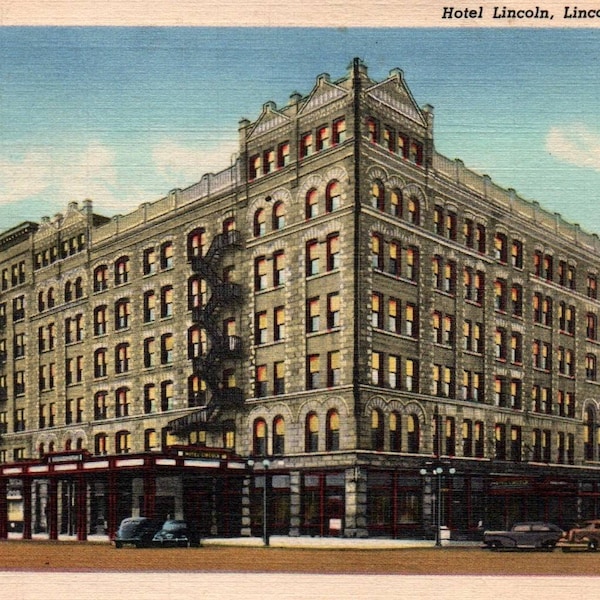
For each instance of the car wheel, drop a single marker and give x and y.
(495, 546)
(118, 545)
(593, 545)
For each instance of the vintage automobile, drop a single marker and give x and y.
(526, 535)
(585, 536)
(136, 531)
(175, 532)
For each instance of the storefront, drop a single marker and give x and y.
(74, 493)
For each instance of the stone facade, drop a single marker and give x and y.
(342, 300)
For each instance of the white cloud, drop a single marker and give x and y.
(25, 177)
(60, 175)
(182, 165)
(576, 144)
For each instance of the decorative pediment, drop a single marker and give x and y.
(269, 119)
(323, 93)
(394, 93)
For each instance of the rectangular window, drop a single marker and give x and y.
(312, 258)
(377, 368)
(312, 315)
(261, 328)
(306, 145)
(333, 368)
(279, 323)
(339, 131)
(283, 155)
(313, 372)
(333, 310)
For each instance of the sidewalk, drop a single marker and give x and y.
(282, 541)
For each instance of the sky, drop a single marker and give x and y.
(122, 115)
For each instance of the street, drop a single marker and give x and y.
(44, 555)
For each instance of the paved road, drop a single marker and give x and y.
(32, 570)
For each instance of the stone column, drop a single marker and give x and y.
(246, 530)
(53, 508)
(3, 509)
(356, 503)
(295, 503)
(26, 481)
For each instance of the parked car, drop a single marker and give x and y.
(585, 536)
(526, 535)
(136, 531)
(175, 532)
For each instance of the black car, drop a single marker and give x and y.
(175, 532)
(137, 531)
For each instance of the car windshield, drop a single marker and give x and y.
(130, 527)
(173, 526)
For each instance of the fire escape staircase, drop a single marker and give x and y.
(222, 346)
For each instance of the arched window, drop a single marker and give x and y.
(412, 434)
(378, 196)
(41, 449)
(413, 212)
(279, 216)
(332, 439)
(150, 440)
(51, 299)
(68, 291)
(589, 433)
(197, 342)
(395, 432)
(259, 437)
(41, 302)
(122, 358)
(122, 442)
(100, 278)
(196, 390)
(333, 196)
(260, 223)
(68, 444)
(122, 313)
(196, 242)
(396, 203)
(79, 288)
(100, 369)
(100, 444)
(278, 435)
(312, 433)
(376, 429)
(122, 402)
(122, 270)
(197, 292)
(312, 204)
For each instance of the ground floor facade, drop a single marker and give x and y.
(348, 494)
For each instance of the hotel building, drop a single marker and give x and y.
(343, 301)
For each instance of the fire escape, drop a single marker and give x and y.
(222, 347)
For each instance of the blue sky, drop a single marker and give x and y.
(123, 115)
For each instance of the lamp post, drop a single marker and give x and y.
(266, 463)
(438, 471)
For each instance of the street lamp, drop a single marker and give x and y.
(438, 472)
(266, 463)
